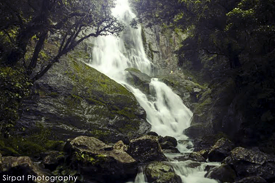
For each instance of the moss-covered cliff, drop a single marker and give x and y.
(73, 99)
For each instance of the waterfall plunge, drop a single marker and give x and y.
(166, 113)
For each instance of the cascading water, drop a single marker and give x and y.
(166, 113)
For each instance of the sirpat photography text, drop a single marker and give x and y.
(11, 178)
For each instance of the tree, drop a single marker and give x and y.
(36, 22)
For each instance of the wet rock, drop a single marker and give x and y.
(209, 168)
(194, 156)
(171, 150)
(167, 142)
(53, 159)
(120, 146)
(203, 153)
(22, 166)
(182, 158)
(146, 149)
(139, 79)
(193, 165)
(160, 172)
(220, 150)
(99, 161)
(152, 133)
(222, 173)
(167, 145)
(186, 143)
(252, 179)
(248, 162)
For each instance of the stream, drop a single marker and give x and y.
(165, 110)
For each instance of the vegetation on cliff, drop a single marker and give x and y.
(230, 44)
(35, 34)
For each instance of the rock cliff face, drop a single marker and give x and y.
(160, 45)
(73, 99)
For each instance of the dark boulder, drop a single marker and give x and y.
(167, 142)
(248, 162)
(152, 133)
(194, 156)
(23, 168)
(171, 150)
(220, 150)
(53, 159)
(146, 149)
(161, 172)
(222, 173)
(252, 179)
(98, 161)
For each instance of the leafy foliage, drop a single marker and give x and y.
(231, 29)
(63, 23)
(35, 34)
(14, 86)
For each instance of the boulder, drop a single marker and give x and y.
(171, 150)
(161, 172)
(52, 159)
(194, 156)
(168, 142)
(152, 133)
(248, 162)
(120, 146)
(193, 165)
(146, 149)
(252, 179)
(203, 153)
(99, 161)
(220, 150)
(222, 173)
(74, 99)
(23, 168)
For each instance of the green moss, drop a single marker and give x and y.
(151, 51)
(132, 69)
(100, 133)
(36, 142)
(143, 36)
(201, 107)
(53, 94)
(88, 158)
(126, 112)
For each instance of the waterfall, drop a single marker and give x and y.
(111, 55)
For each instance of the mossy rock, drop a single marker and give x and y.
(160, 172)
(75, 99)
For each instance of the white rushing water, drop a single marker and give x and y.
(165, 111)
